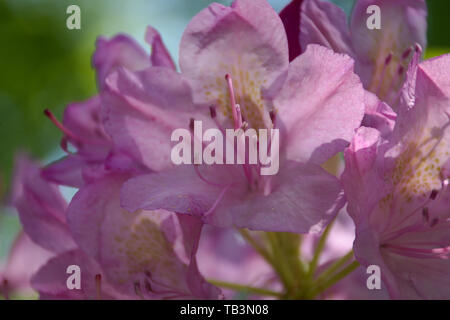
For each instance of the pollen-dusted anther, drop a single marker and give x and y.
(425, 214)
(212, 111)
(98, 286)
(434, 194)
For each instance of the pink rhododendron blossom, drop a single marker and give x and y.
(24, 259)
(82, 124)
(166, 268)
(143, 254)
(381, 55)
(315, 102)
(397, 188)
(162, 211)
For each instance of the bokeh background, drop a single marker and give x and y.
(45, 65)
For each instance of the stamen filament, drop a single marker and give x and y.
(61, 127)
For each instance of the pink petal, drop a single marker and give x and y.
(41, 210)
(160, 57)
(66, 171)
(142, 109)
(246, 41)
(143, 254)
(51, 280)
(320, 105)
(24, 259)
(324, 23)
(119, 51)
(304, 199)
(290, 16)
(378, 115)
(403, 24)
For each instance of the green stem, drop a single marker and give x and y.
(322, 286)
(238, 287)
(318, 251)
(281, 262)
(258, 248)
(334, 267)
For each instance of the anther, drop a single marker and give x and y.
(5, 288)
(148, 286)
(406, 53)
(98, 286)
(388, 59)
(417, 48)
(191, 124)
(434, 222)
(137, 289)
(434, 194)
(425, 214)
(212, 111)
(272, 115)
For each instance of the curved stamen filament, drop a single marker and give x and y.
(206, 180)
(433, 253)
(61, 127)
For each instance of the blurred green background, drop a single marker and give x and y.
(45, 65)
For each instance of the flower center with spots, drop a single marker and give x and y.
(387, 79)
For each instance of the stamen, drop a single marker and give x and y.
(98, 286)
(191, 124)
(434, 194)
(216, 203)
(417, 48)
(166, 289)
(239, 116)
(61, 127)
(433, 253)
(233, 101)
(212, 111)
(206, 180)
(406, 53)
(5, 288)
(272, 115)
(137, 290)
(148, 286)
(425, 214)
(387, 61)
(434, 222)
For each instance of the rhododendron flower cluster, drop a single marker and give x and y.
(362, 129)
